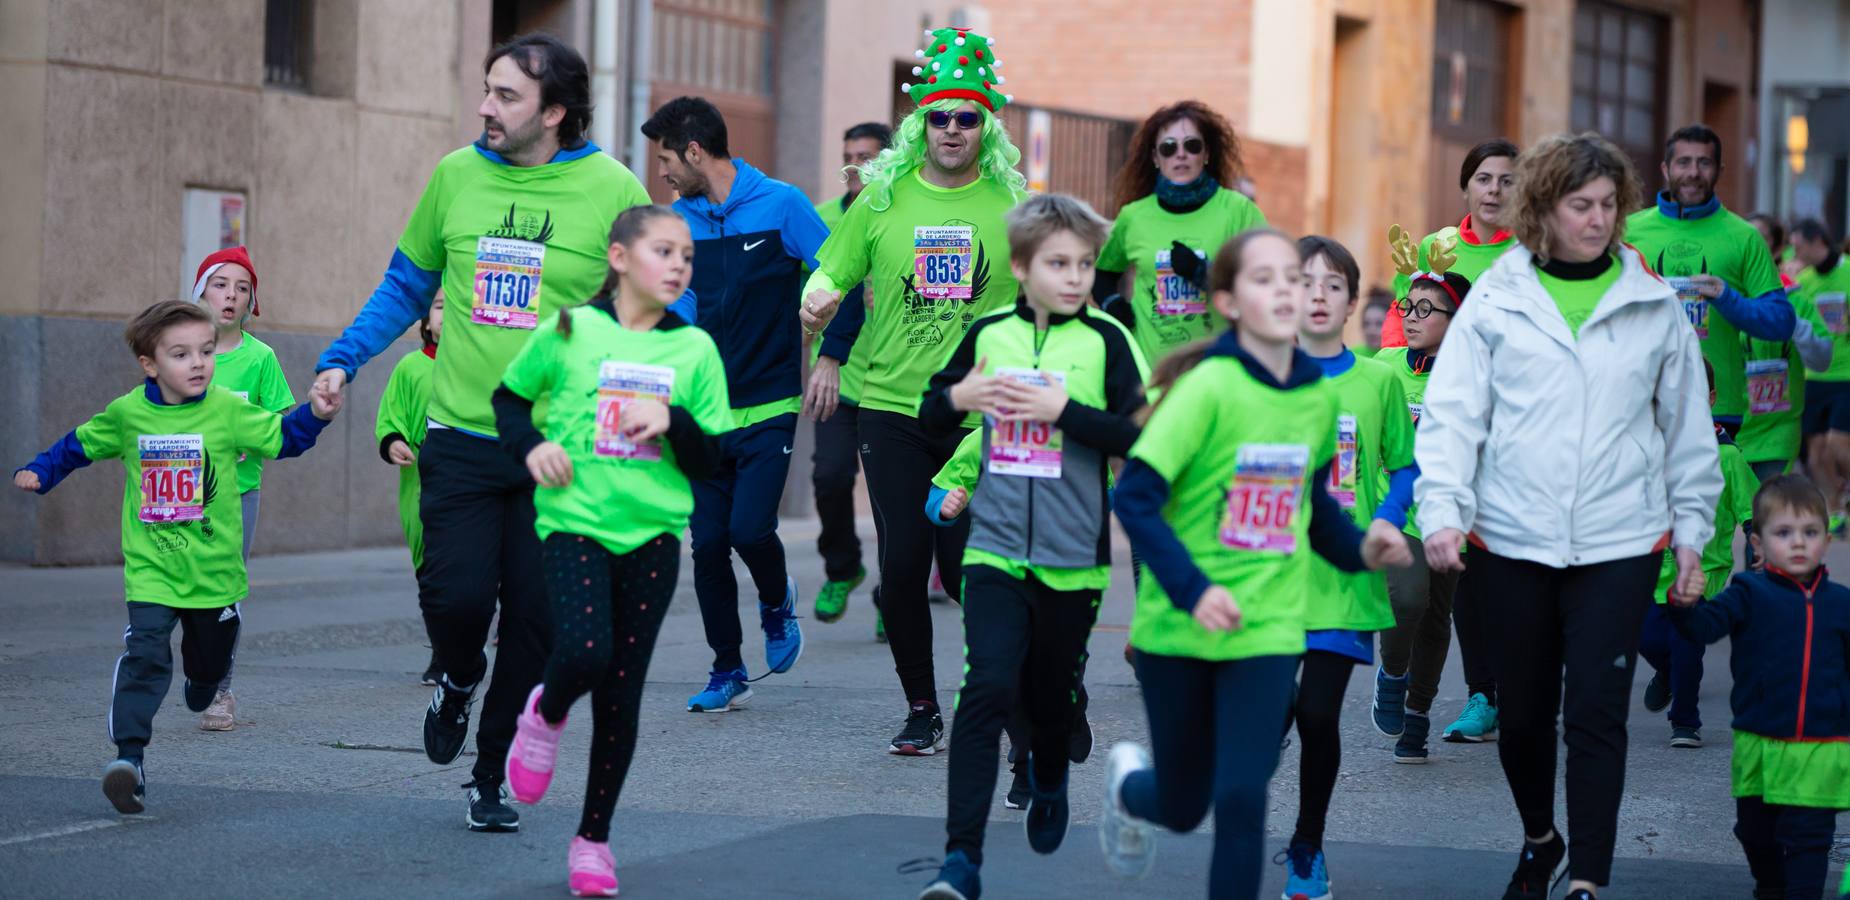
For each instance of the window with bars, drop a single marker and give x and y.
(288, 31)
(1619, 80)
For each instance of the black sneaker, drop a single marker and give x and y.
(124, 786)
(1685, 737)
(1411, 748)
(1047, 818)
(446, 723)
(200, 696)
(431, 673)
(923, 734)
(1018, 794)
(1079, 745)
(488, 809)
(1581, 894)
(1535, 869)
(1657, 693)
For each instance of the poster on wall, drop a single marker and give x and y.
(211, 220)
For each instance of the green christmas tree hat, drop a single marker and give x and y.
(958, 65)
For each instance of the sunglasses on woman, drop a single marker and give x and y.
(1420, 310)
(966, 121)
(1168, 147)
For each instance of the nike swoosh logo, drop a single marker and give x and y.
(748, 247)
(786, 451)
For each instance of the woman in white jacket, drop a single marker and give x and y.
(1568, 434)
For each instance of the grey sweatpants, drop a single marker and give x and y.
(145, 669)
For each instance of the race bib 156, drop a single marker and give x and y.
(172, 477)
(620, 384)
(1263, 499)
(507, 283)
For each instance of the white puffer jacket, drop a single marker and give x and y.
(1568, 452)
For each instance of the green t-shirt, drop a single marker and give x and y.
(532, 239)
(1413, 388)
(1238, 455)
(1576, 299)
(182, 528)
(1726, 246)
(855, 369)
(1374, 436)
(1775, 379)
(1826, 294)
(1473, 259)
(939, 259)
(622, 495)
(403, 411)
(1168, 310)
(251, 371)
(1734, 507)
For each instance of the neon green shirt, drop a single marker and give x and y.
(534, 239)
(182, 526)
(1577, 298)
(250, 370)
(939, 258)
(1735, 506)
(623, 495)
(402, 411)
(855, 369)
(1374, 436)
(1776, 378)
(1238, 455)
(1168, 310)
(1826, 294)
(1720, 244)
(1473, 259)
(1413, 389)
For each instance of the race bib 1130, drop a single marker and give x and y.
(507, 283)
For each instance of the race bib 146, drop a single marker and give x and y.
(172, 477)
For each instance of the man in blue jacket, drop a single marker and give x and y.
(753, 236)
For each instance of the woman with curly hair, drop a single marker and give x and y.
(1177, 205)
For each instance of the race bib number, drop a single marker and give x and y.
(507, 283)
(1263, 500)
(1342, 471)
(1766, 386)
(941, 261)
(1831, 310)
(172, 478)
(1031, 449)
(620, 384)
(1176, 295)
(1695, 306)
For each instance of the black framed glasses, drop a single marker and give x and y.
(1169, 146)
(968, 120)
(1420, 310)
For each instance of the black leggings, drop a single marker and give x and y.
(1468, 621)
(1565, 642)
(1322, 680)
(899, 459)
(1788, 847)
(607, 610)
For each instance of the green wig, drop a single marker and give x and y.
(996, 156)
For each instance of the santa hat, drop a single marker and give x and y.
(958, 64)
(213, 263)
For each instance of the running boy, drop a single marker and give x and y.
(1057, 384)
(179, 436)
(636, 398)
(226, 285)
(1371, 478)
(1791, 770)
(1677, 661)
(400, 431)
(1224, 491)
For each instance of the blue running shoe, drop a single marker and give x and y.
(1390, 706)
(957, 880)
(783, 639)
(1047, 816)
(725, 691)
(1478, 723)
(1306, 877)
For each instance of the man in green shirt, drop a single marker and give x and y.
(833, 399)
(928, 229)
(1717, 263)
(513, 228)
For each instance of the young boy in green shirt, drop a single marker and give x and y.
(400, 427)
(179, 436)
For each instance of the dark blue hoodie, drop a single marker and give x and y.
(749, 254)
(1791, 652)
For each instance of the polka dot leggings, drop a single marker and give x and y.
(607, 610)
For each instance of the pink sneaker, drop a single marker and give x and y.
(536, 748)
(594, 870)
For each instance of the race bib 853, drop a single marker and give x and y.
(941, 261)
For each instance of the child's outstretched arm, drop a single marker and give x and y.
(48, 468)
(303, 424)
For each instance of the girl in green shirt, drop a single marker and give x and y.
(635, 399)
(1223, 494)
(400, 431)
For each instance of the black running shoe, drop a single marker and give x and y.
(1657, 693)
(1047, 819)
(923, 734)
(1535, 869)
(1018, 794)
(488, 808)
(125, 787)
(200, 696)
(446, 724)
(1079, 743)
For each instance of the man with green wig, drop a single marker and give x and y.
(927, 228)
